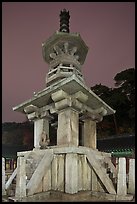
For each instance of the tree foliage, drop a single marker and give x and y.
(122, 99)
(17, 134)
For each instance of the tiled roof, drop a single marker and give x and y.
(122, 143)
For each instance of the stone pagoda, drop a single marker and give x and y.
(73, 164)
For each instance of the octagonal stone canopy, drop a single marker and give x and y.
(58, 39)
(71, 85)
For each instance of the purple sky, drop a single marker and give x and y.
(108, 29)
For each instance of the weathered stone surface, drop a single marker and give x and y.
(80, 173)
(61, 173)
(81, 96)
(57, 173)
(58, 39)
(101, 172)
(131, 178)
(54, 173)
(71, 173)
(94, 181)
(82, 196)
(39, 173)
(3, 176)
(59, 95)
(88, 174)
(40, 125)
(30, 109)
(63, 104)
(67, 132)
(21, 178)
(100, 186)
(46, 182)
(32, 161)
(39, 188)
(11, 178)
(70, 85)
(121, 182)
(102, 196)
(85, 173)
(90, 133)
(65, 148)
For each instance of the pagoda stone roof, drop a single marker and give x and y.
(70, 85)
(60, 38)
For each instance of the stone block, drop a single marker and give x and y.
(90, 133)
(86, 174)
(3, 176)
(131, 178)
(40, 125)
(94, 181)
(39, 173)
(71, 173)
(101, 172)
(54, 170)
(47, 180)
(81, 96)
(80, 173)
(59, 95)
(121, 182)
(60, 173)
(21, 178)
(57, 173)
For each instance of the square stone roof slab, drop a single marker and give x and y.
(70, 85)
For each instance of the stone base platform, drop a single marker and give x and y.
(85, 196)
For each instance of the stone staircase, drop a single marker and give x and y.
(32, 162)
(104, 168)
(111, 171)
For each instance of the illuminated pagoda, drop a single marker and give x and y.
(73, 164)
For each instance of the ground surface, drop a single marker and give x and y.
(83, 196)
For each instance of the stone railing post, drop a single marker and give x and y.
(121, 183)
(131, 178)
(21, 178)
(3, 176)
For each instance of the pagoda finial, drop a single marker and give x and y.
(64, 21)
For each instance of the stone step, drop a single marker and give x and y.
(101, 172)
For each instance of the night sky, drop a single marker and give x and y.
(108, 29)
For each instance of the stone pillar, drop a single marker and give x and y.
(80, 173)
(21, 178)
(131, 178)
(40, 125)
(121, 183)
(54, 171)
(3, 176)
(68, 127)
(71, 173)
(90, 133)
